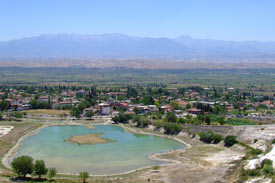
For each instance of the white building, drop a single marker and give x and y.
(104, 109)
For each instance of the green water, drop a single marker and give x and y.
(128, 153)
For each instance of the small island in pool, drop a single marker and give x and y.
(89, 139)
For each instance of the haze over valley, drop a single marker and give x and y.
(117, 46)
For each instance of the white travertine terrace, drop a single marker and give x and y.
(4, 130)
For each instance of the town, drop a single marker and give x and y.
(191, 105)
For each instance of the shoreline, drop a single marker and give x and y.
(12, 152)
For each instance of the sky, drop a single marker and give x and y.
(212, 19)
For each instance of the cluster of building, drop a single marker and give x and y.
(19, 100)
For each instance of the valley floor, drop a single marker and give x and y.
(200, 163)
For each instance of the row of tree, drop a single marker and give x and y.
(24, 165)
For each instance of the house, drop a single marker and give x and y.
(65, 103)
(104, 108)
(194, 111)
(229, 108)
(130, 112)
(122, 105)
(81, 92)
(153, 108)
(115, 113)
(43, 99)
(166, 108)
(266, 102)
(90, 109)
(143, 109)
(182, 103)
(110, 101)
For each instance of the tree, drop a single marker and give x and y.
(175, 105)
(188, 106)
(172, 128)
(17, 115)
(40, 168)
(58, 107)
(84, 104)
(52, 173)
(122, 118)
(1, 117)
(171, 117)
(181, 120)
(141, 121)
(221, 120)
(230, 141)
(75, 112)
(207, 120)
(22, 165)
(83, 176)
(148, 100)
(90, 114)
(4, 105)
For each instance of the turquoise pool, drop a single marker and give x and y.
(130, 152)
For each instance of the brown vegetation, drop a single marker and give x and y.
(89, 139)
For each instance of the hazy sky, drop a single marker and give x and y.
(215, 19)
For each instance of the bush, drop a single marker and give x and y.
(172, 128)
(171, 117)
(206, 137)
(142, 121)
(156, 167)
(273, 141)
(52, 173)
(159, 124)
(23, 165)
(181, 121)
(210, 137)
(123, 118)
(266, 162)
(268, 169)
(216, 138)
(253, 173)
(16, 114)
(256, 152)
(230, 141)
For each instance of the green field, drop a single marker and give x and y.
(262, 78)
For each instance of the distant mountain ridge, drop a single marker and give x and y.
(119, 46)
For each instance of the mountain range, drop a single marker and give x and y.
(119, 46)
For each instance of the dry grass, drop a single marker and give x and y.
(48, 112)
(9, 140)
(89, 139)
